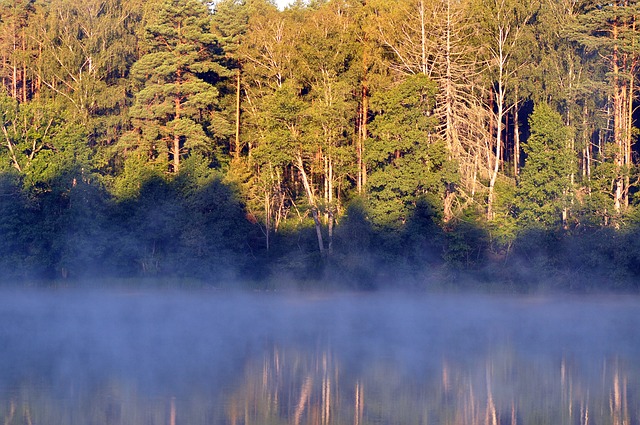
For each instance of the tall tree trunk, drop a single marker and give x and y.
(330, 206)
(516, 137)
(618, 123)
(423, 39)
(586, 139)
(24, 67)
(267, 217)
(176, 140)
(450, 135)
(495, 167)
(628, 139)
(236, 152)
(364, 135)
(312, 202)
(361, 179)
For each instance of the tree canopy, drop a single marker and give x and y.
(233, 132)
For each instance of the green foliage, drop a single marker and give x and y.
(545, 188)
(195, 228)
(176, 103)
(593, 28)
(407, 158)
(283, 121)
(355, 233)
(15, 249)
(84, 239)
(214, 236)
(116, 137)
(423, 237)
(466, 245)
(84, 49)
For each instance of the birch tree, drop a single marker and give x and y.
(84, 49)
(501, 28)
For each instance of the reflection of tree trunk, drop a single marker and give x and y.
(469, 412)
(584, 416)
(566, 389)
(12, 411)
(326, 394)
(304, 398)
(233, 412)
(359, 404)
(618, 400)
(172, 413)
(27, 415)
(491, 417)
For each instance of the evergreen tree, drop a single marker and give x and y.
(610, 32)
(408, 159)
(545, 189)
(175, 109)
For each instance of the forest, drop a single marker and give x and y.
(350, 143)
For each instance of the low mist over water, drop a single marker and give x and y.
(165, 357)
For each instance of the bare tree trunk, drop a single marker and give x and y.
(423, 39)
(628, 139)
(361, 179)
(618, 125)
(516, 138)
(587, 140)
(267, 216)
(175, 148)
(312, 202)
(498, 147)
(330, 207)
(24, 67)
(236, 152)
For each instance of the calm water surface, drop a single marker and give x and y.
(189, 358)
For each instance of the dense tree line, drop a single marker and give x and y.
(335, 138)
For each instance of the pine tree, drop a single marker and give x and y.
(175, 109)
(611, 31)
(407, 156)
(545, 189)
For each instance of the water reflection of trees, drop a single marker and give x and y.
(305, 388)
(296, 386)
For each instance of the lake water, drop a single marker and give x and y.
(205, 357)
